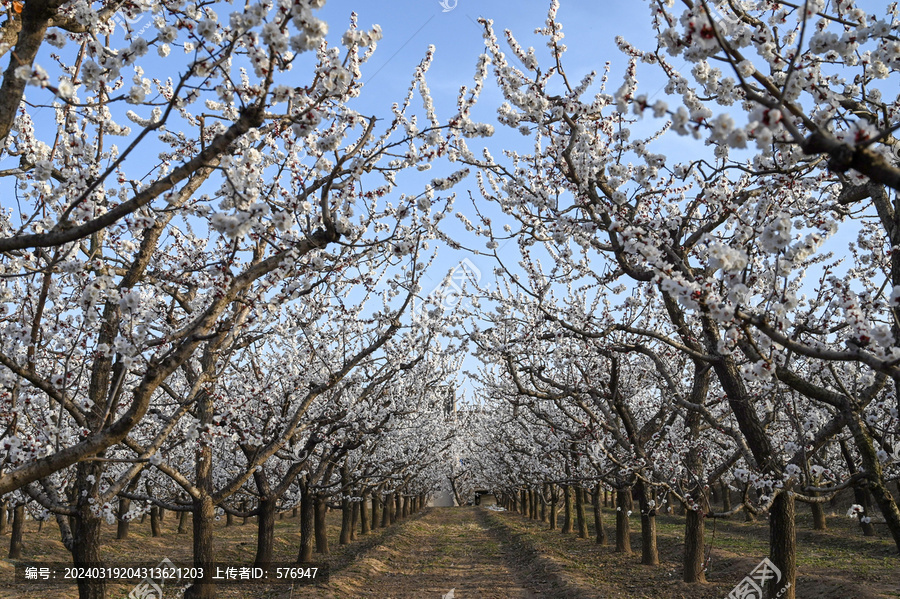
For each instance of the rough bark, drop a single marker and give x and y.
(65, 531)
(875, 476)
(623, 532)
(376, 510)
(86, 542)
(543, 505)
(581, 517)
(694, 530)
(354, 519)
(123, 522)
(598, 517)
(265, 531)
(204, 511)
(35, 19)
(554, 507)
(387, 506)
(649, 551)
(346, 521)
(782, 545)
(364, 515)
(694, 522)
(818, 515)
(204, 515)
(307, 525)
(86, 551)
(182, 522)
(15, 539)
(321, 533)
(154, 522)
(860, 497)
(567, 509)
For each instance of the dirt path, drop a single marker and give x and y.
(441, 550)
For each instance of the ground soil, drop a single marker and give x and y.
(456, 553)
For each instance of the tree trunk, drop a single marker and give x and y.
(649, 550)
(346, 521)
(875, 477)
(783, 546)
(307, 524)
(818, 514)
(726, 497)
(567, 509)
(204, 515)
(86, 542)
(364, 515)
(229, 519)
(86, 552)
(354, 518)
(580, 514)
(204, 510)
(554, 507)
(4, 506)
(154, 521)
(123, 522)
(748, 515)
(598, 517)
(694, 530)
(182, 522)
(15, 539)
(695, 515)
(321, 533)
(388, 505)
(265, 531)
(861, 497)
(543, 504)
(376, 510)
(623, 532)
(65, 531)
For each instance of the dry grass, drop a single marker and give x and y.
(489, 554)
(234, 545)
(838, 563)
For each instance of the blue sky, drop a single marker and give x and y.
(409, 27)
